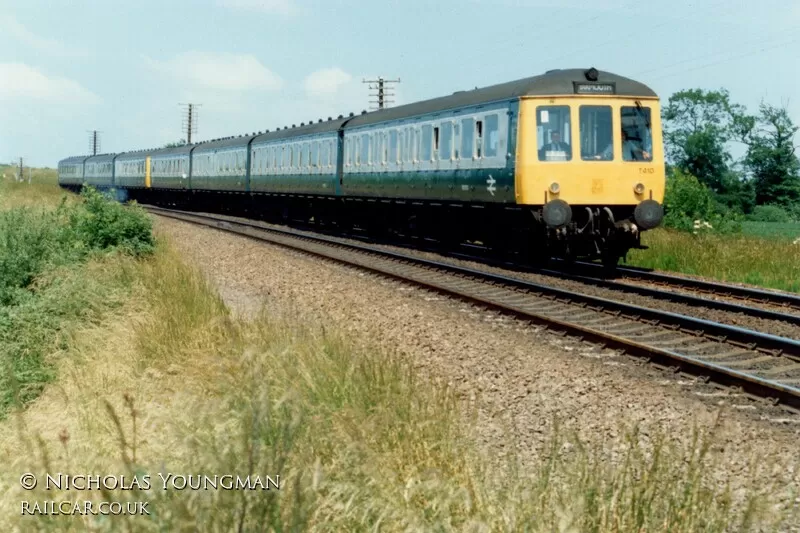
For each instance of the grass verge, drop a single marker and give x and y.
(173, 384)
(772, 263)
(46, 290)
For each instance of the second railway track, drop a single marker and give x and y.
(761, 365)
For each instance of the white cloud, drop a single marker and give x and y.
(282, 7)
(326, 82)
(23, 82)
(222, 71)
(14, 29)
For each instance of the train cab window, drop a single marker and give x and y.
(467, 138)
(553, 133)
(446, 144)
(492, 135)
(637, 135)
(427, 143)
(596, 133)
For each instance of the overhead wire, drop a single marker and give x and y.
(649, 29)
(739, 56)
(525, 28)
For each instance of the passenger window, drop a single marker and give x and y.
(302, 155)
(478, 138)
(492, 135)
(435, 143)
(400, 139)
(364, 149)
(456, 140)
(386, 147)
(553, 133)
(637, 135)
(427, 143)
(467, 138)
(446, 144)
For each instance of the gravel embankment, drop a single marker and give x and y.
(522, 377)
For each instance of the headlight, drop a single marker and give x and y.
(554, 188)
(639, 188)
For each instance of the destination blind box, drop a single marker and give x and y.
(581, 87)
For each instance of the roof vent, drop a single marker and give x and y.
(329, 118)
(320, 121)
(591, 74)
(340, 116)
(363, 111)
(294, 126)
(302, 123)
(352, 114)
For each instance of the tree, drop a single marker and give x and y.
(697, 126)
(771, 158)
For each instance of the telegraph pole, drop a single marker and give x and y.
(381, 93)
(21, 170)
(189, 124)
(94, 141)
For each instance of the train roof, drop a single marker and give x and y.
(74, 159)
(137, 154)
(230, 142)
(100, 158)
(180, 150)
(553, 82)
(328, 126)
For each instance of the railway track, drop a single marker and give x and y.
(785, 301)
(760, 365)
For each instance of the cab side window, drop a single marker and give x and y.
(637, 134)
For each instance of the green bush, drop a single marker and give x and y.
(34, 240)
(690, 206)
(105, 224)
(31, 240)
(769, 213)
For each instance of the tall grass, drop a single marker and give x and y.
(772, 263)
(358, 440)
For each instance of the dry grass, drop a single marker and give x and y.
(42, 191)
(773, 263)
(173, 383)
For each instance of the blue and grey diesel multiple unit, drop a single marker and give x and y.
(566, 163)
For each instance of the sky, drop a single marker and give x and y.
(120, 67)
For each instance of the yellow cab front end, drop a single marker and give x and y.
(591, 166)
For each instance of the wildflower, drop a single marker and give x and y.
(797, 241)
